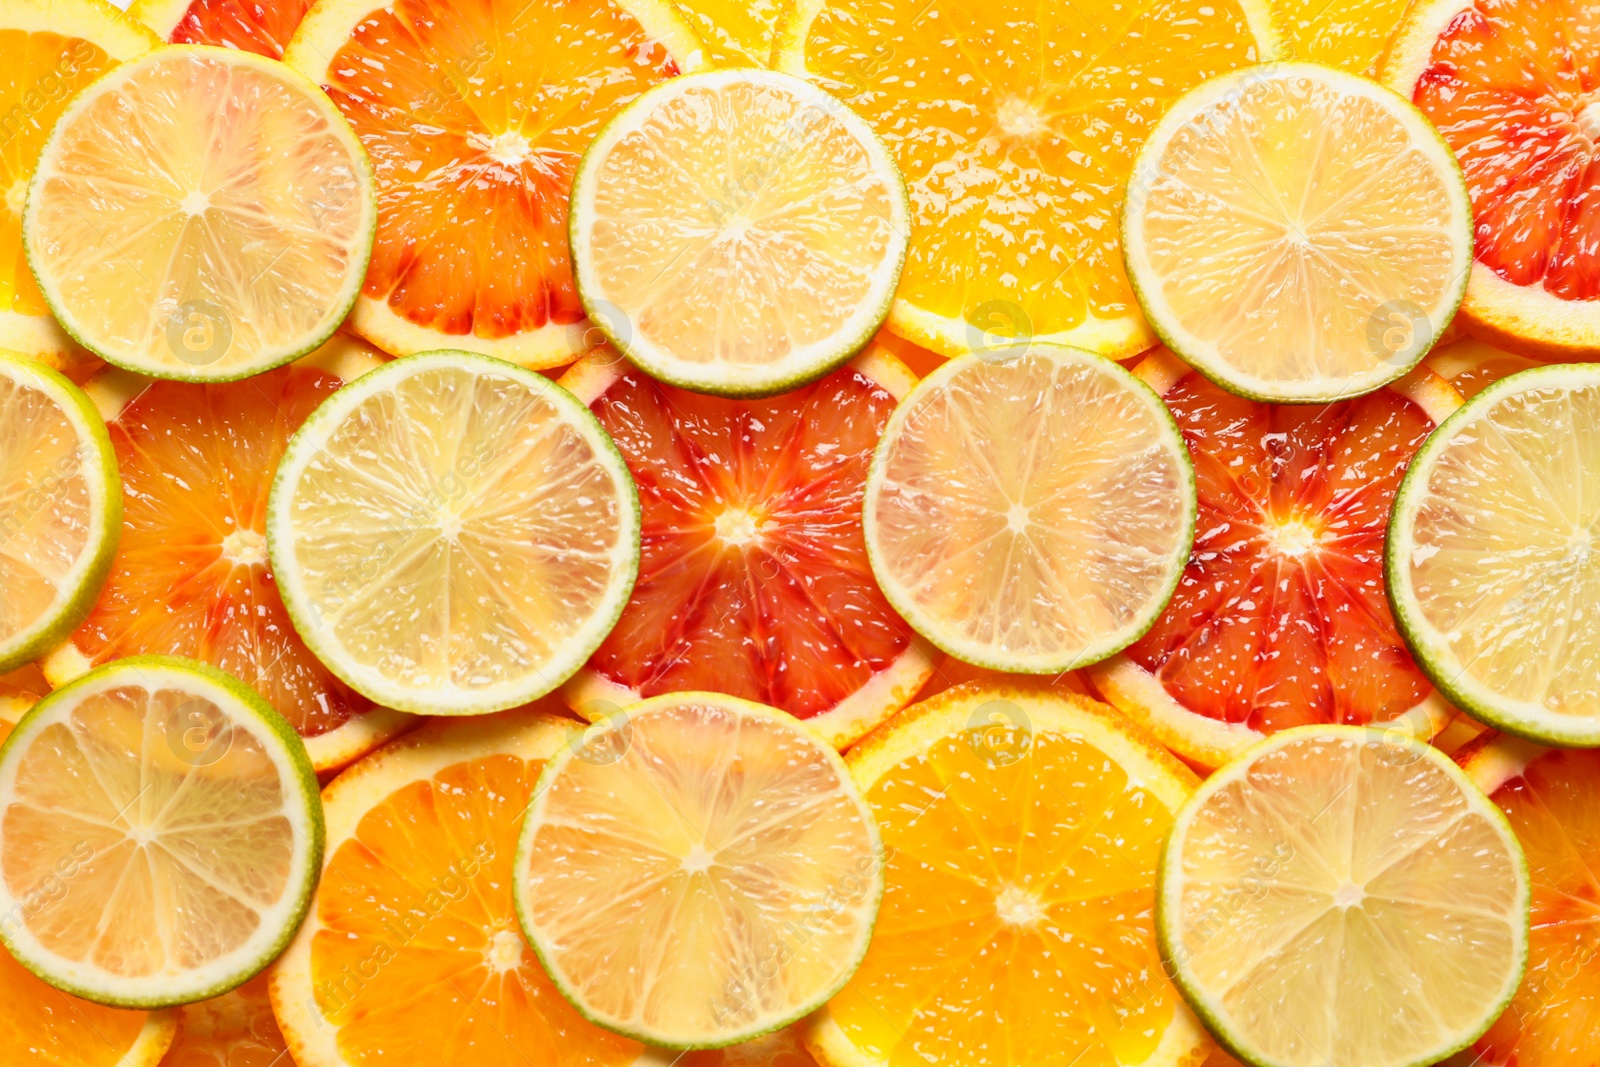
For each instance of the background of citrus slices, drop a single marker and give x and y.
(1015, 126)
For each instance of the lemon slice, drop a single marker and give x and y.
(738, 232)
(1343, 895)
(1297, 234)
(201, 214)
(1493, 556)
(60, 508)
(1032, 510)
(698, 872)
(180, 813)
(453, 534)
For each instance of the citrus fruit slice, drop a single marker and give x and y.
(236, 1029)
(260, 26)
(44, 1026)
(1471, 366)
(781, 1048)
(1030, 513)
(191, 576)
(1280, 618)
(187, 811)
(49, 50)
(706, 877)
(1022, 830)
(1337, 232)
(1015, 125)
(20, 690)
(60, 508)
(1507, 84)
(734, 33)
(1343, 895)
(754, 578)
(453, 534)
(1492, 566)
(1550, 799)
(201, 214)
(738, 232)
(1348, 34)
(476, 114)
(411, 952)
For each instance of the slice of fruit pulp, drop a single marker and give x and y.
(1343, 895)
(1550, 799)
(475, 115)
(735, 33)
(1490, 559)
(1011, 122)
(1022, 831)
(1280, 618)
(1337, 231)
(49, 50)
(44, 1026)
(453, 534)
(412, 952)
(754, 579)
(1348, 34)
(191, 576)
(260, 26)
(1031, 513)
(182, 813)
(236, 1029)
(201, 214)
(662, 879)
(60, 508)
(738, 232)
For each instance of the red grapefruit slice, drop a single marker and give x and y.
(753, 578)
(1280, 618)
(191, 576)
(475, 114)
(1512, 85)
(1552, 799)
(260, 26)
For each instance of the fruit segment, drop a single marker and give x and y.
(475, 114)
(1280, 617)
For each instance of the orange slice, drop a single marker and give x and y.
(236, 1029)
(1280, 618)
(260, 26)
(411, 952)
(1017, 926)
(1348, 34)
(735, 33)
(44, 1026)
(781, 1048)
(1552, 799)
(1015, 124)
(475, 114)
(753, 578)
(191, 576)
(49, 49)
(1511, 87)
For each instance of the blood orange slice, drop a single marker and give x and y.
(1511, 85)
(1280, 618)
(1551, 798)
(475, 114)
(753, 579)
(260, 26)
(191, 576)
